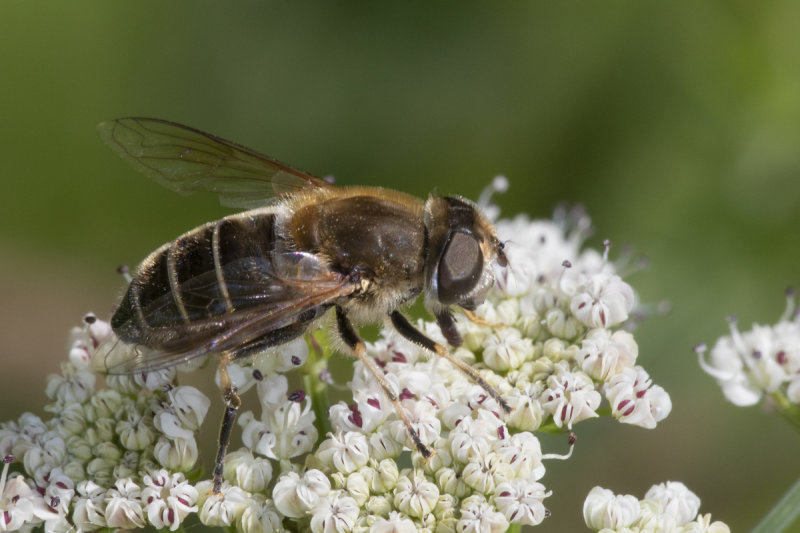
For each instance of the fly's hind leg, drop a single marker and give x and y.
(229, 393)
(232, 403)
(404, 328)
(356, 344)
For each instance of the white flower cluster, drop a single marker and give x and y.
(764, 360)
(561, 348)
(666, 508)
(548, 339)
(111, 457)
(550, 343)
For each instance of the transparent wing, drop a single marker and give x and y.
(187, 160)
(264, 299)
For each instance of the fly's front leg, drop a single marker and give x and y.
(447, 325)
(354, 342)
(404, 328)
(232, 403)
(475, 319)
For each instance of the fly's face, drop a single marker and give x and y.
(462, 249)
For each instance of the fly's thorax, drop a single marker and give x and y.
(375, 232)
(461, 250)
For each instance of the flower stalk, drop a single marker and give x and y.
(783, 514)
(789, 410)
(313, 372)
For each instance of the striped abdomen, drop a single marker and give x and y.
(208, 272)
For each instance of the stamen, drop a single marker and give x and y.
(7, 460)
(567, 265)
(498, 185)
(571, 440)
(124, 271)
(607, 247)
(714, 372)
(791, 305)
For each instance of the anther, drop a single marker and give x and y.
(325, 376)
(700, 348)
(297, 396)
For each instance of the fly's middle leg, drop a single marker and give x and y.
(348, 334)
(404, 328)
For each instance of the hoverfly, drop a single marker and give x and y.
(262, 277)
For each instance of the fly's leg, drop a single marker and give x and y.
(232, 403)
(404, 328)
(447, 325)
(475, 319)
(354, 342)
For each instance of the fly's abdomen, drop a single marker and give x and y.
(208, 272)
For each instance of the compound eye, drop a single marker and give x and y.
(460, 268)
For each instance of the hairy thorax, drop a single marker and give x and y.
(375, 236)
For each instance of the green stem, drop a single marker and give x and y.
(789, 410)
(516, 528)
(781, 516)
(316, 388)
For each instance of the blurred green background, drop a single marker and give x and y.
(676, 124)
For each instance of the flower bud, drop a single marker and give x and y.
(295, 497)
(478, 516)
(135, 436)
(123, 506)
(677, 499)
(71, 420)
(345, 452)
(259, 516)
(603, 509)
(506, 349)
(221, 511)
(106, 403)
(88, 514)
(385, 478)
(79, 448)
(378, 506)
(334, 513)
(71, 386)
(101, 431)
(250, 473)
(176, 454)
(415, 495)
(74, 470)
